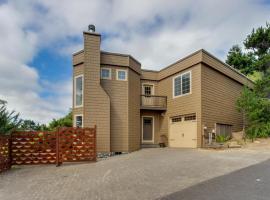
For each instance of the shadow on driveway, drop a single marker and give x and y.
(251, 183)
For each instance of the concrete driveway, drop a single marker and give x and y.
(145, 174)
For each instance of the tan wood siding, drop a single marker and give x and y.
(223, 68)
(96, 100)
(219, 95)
(118, 93)
(134, 110)
(134, 65)
(78, 58)
(112, 59)
(150, 75)
(182, 105)
(181, 65)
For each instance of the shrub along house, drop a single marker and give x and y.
(131, 106)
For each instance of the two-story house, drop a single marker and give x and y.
(180, 104)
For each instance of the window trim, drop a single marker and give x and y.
(75, 90)
(151, 84)
(173, 84)
(74, 122)
(110, 73)
(119, 70)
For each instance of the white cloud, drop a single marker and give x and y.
(156, 32)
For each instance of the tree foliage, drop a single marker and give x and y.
(256, 53)
(239, 60)
(61, 122)
(9, 121)
(30, 125)
(255, 59)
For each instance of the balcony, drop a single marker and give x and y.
(153, 102)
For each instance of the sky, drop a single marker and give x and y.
(38, 37)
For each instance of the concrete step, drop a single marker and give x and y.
(149, 145)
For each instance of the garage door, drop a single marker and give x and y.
(183, 131)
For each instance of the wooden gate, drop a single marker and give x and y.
(76, 144)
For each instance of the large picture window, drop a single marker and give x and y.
(182, 84)
(78, 94)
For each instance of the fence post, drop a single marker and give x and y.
(58, 162)
(95, 143)
(10, 150)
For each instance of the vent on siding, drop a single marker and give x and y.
(223, 129)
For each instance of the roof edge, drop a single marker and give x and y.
(78, 52)
(230, 67)
(121, 54)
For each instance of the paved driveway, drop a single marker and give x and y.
(145, 174)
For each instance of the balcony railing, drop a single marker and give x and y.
(153, 102)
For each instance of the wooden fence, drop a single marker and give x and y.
(48, 147)
(5, 158)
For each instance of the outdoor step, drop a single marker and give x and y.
(149, 145)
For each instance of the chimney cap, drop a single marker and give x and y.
(91, 28)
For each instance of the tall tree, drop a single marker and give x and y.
(241, 61)
(255, 58)
(256, 53)
(9, 121)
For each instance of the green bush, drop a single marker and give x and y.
(256, 110)
(258, 130)
(222, 138)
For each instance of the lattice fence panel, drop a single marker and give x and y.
(33, 148)
(77, 144)
(5, 162)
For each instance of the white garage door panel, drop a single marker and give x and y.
(183, 134)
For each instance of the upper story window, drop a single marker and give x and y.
(148, 89)
(182, 84)
(105, 73)
(78, 93)
(121, 74)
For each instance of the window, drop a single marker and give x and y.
(223, 129)
(121, 75)
(105, 73)
(78, 121)
(182, 84)
(190, 117)
(78, 94)
(147, 89)
(176, 119)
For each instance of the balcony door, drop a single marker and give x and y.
(148, 89)
(147, 129)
